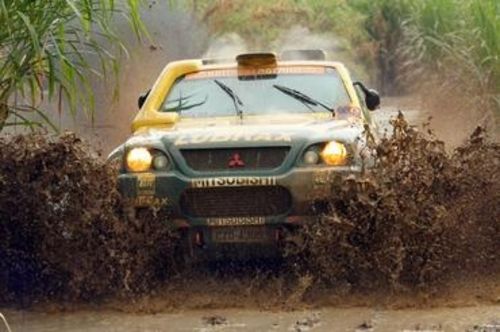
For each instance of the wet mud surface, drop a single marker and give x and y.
(420, 229)
(470, 319)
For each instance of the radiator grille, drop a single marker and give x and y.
(235, 201)
(235, 159)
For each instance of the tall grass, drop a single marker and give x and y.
(486, 16)
(47, 49)
(454, 41)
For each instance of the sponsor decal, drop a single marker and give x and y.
(146, 183)
(322, 184)
(323, 177)
(262, 71)
(231, 137)
(236, 221)
(150, 201)
(233, 182)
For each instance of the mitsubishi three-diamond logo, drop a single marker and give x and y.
(236, 161)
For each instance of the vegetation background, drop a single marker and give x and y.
(445, 51)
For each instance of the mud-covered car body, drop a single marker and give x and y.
(229, 173)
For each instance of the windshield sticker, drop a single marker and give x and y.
(234, 72)
(234, 182)
(231, 137)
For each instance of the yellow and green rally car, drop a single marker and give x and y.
(239, 149)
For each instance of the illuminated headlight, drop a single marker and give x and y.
(139, 160)
(334, 154)
(311, 157)
(160, 162)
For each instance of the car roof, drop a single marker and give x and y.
(210, 64)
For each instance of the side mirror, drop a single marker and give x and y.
(142, 98)
(372, 98)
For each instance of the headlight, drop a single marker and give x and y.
(311, 157)
(139, 160)
(160, 161)
(334, 153)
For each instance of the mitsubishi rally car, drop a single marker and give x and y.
(238, 150)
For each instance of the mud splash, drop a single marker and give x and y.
(419, 219)
(62, 234)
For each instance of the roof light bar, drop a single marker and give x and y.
(256, 59)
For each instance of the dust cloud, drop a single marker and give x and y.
(227, 46)
(297, 37)
(301, 38)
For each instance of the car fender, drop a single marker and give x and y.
(116, 153)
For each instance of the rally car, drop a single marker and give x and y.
(238, 149)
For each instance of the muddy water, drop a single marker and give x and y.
(475, 318)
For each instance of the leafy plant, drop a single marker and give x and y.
(47, 50)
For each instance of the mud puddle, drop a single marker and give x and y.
(471, 319)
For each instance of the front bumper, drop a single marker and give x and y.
(305, 185)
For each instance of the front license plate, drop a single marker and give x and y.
(241, 234)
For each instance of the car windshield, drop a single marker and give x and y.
(233, 92)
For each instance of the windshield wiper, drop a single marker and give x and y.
(302, 97)
(236, 100)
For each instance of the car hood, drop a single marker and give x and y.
(251, 132)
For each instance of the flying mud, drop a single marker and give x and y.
(419, 222)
